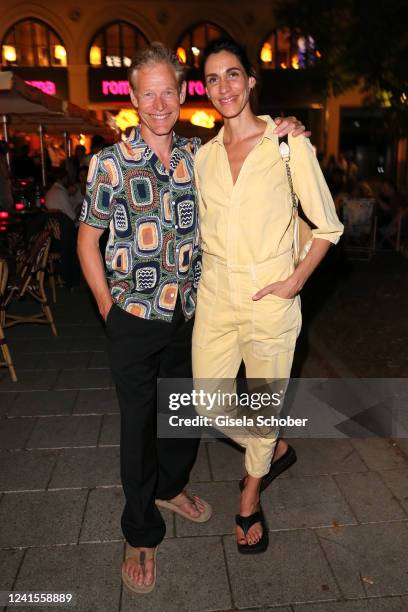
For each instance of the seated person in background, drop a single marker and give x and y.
(74, 163)
(57, 197)
(22, 165)
(77, 189)
(57, 202)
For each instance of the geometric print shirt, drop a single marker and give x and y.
(152, 253)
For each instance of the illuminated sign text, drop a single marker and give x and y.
(47, 87)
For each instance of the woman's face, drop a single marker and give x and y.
(227, 84)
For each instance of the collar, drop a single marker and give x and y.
(135, 140)
(269, 130)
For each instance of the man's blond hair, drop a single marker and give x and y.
(156, 53)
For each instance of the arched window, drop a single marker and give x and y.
(192, 43)
(31, 42)
(115, 44)
(284, 49)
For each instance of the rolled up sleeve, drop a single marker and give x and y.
(312, 190)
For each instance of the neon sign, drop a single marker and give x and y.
(115, 88)
(47, 87)
(195, 88)
(121, 88)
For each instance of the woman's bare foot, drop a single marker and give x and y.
(141, 574)
(280, 450)
(190, 504)
(249, 503)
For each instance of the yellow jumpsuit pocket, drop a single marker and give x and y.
(276, 324)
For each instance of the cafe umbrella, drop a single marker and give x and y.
(26, 108)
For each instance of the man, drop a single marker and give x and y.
(144, 190)
(57, 197)
(59, 203)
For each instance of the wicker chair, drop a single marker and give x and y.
(30, 281)
(7, 360)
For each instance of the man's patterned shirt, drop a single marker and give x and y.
(152, 253)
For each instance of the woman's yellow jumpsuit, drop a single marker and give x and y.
(247, 237)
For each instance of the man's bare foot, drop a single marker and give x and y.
(192, 505)
(249, 503)
(140, 574)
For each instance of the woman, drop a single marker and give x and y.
(248, 306)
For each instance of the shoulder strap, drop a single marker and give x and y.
(284, 150)
(285, 154)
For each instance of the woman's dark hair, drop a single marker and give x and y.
(230, 45)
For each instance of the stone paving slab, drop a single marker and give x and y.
(14, 433)
(97, 343)
(29, 380)
(369, 498)
(43, 403)
(28, 361)
(48, 517)
(82, 330)
(103, 514)
(65, 431)
(91, 571)
(379, 453)
(402, 444)
(9, 563)
(309, 501)
(86, 467)
(385, 604)
(368, 560)
(26, 470)
(96, 402)
(67, 361)
(397, 482)
(325, 456)
(224, 499)
(110, 433)
(191, 576)
(84, 379)
(226, 461)
(99, 359)
(293, 569)
(50, 344)
(6, 402)
(201, 469)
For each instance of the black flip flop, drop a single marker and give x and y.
(277, 467)
(246, 522)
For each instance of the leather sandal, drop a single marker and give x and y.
(204, 516)
(141, 557)
(246, 522)
(277, 467)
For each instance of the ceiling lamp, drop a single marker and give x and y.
(181, 54)
(266, 52)
(203, 119)
(126, 117)
(9, 53)
(95, 56)
(60, 54)
(196, 51)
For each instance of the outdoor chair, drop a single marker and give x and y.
(360, 227)
(29, 281)
(7, 360)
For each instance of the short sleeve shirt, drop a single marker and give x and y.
(152, 254)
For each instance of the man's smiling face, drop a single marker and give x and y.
(157, 95)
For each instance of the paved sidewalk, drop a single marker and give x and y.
(338, 519)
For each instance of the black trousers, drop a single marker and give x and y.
(152, 468)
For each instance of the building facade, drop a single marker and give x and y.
(80, 52)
